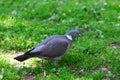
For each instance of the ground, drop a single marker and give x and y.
(94, 56)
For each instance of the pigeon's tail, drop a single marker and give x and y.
(21, 58)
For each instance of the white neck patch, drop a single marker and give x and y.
(69, 37)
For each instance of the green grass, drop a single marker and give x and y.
(24, 24)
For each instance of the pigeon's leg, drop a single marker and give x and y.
(41, 61)
(57, 60)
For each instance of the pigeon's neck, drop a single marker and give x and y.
(69, 37)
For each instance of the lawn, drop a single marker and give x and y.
(94, 56)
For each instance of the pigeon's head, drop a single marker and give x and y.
(74, 34)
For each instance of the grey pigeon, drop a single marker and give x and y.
(53, 47)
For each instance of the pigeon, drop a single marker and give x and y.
(54, 47)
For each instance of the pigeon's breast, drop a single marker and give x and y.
(69, 45)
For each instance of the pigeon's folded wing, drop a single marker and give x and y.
(55, 48)
(51, 48)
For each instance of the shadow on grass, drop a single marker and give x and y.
(64, 69)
